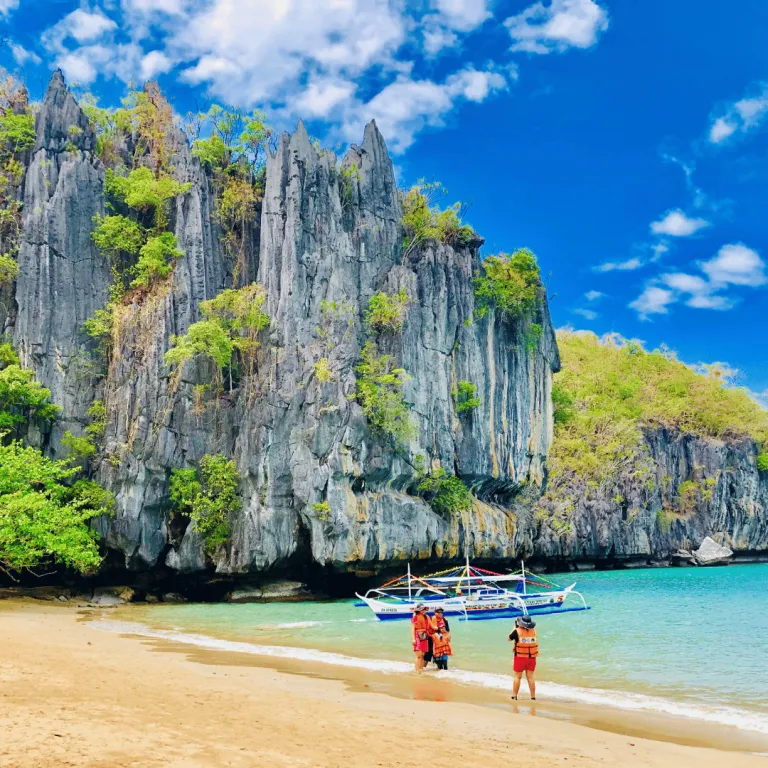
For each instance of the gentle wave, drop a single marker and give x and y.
(295, 625)
(731, 716)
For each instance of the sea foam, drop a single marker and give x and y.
(731, 716)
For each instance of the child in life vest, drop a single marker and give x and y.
(441, 640)
(526, 650)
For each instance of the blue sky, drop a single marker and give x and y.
(626, 143)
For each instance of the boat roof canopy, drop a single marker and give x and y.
(469, 575)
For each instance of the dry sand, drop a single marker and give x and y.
(74, 696)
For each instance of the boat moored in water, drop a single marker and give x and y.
(472, 593)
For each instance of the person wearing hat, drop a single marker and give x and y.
(526, 649)
(422, 627)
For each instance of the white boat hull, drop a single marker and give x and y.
(490, 607)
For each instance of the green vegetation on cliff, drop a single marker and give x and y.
(22, 397)
(423, 219)
(44, 514)
(134, 239)
(609, 389)
(465, 397)
(230, 335)
(234, 152)
(17, 134)
(386, 312)
(45, 505)
(446, 494)
(208, 496)
(379, 390)
(508, 284)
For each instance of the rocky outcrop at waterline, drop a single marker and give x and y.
(319, 486)
(688, 488)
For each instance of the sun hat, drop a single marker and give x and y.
(420, 607)
(438, 609)
(526, 622)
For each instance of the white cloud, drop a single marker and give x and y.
(681, 281)
(322, 96)
(560, 25)
(721, 129)
(593, 295)
(78, 67)
(405, 107)
(170, 7)
(438, 38)
(21, 55)
(85, 64)
(735, 264)
(339, 61)
(253, 51)
(740, 116)
(676, 224)
(95, 51)
(82, 26)
(6, 6)
(710, 301)
(654, 300)
(620, 266)
(588, 314)
(701, 293)
(463, 15)
(155, 63)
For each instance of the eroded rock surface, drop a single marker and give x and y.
(324, 242)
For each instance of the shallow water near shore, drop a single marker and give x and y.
(687, 642)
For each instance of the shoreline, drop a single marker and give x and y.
(114, 700)
(204, 592)
(613, 710)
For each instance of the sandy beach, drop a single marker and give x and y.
(75, 696)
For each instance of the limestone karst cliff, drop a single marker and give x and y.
(296, 440)
(321, 238)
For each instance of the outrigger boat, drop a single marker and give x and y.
(471, 593)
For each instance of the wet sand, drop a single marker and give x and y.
(75, 696)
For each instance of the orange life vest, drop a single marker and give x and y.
(527, 644)
(442, 645)
(422, 624)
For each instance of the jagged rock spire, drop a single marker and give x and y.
(60, 120)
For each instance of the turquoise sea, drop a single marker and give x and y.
(691, 642)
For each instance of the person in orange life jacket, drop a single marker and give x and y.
(526, 649)
(441, 640)
(421, 627)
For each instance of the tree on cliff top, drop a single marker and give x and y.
(423, 219)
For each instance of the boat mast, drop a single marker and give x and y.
(469, 575)
(522, 566)
(409, 581)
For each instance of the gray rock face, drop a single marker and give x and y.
(699, 488)
(323, 244)
(63, 279)
(328, 243)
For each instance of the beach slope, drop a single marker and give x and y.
(74, 696)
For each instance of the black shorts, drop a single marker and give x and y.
(430, 649)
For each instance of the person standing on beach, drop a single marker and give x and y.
(441, 640)
(526, 649)
(421, 626)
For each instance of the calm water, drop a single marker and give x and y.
(692, 642)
